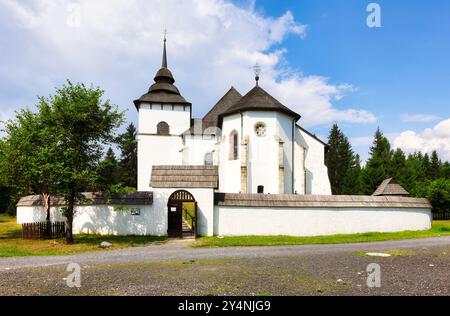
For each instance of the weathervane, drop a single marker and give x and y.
(257, 71)
(165, 35)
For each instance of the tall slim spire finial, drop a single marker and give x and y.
(164, 60)
(257, 71)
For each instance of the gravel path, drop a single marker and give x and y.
(178, 250)
(416, 267)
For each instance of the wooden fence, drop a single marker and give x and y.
(441, 216)
(43, 230)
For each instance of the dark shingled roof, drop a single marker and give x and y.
(94, 198)
(211, 119)
(317, 201)
(184, 177)
(258, 99)
(163, 90)
(390, 187)
(228, 100)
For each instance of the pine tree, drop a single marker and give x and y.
(435, 166)
(397, 166)
(128, 162)
(426, 165)
(108, 171)
(339, 159)
(378, 165)
(353, 182)
(414, 172)
(445, 170)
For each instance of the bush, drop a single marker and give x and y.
(436, 191)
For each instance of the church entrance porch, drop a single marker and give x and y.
(182, 215)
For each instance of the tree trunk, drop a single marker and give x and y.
(69, 216)
(46, 200)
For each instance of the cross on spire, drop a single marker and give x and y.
(257, 71)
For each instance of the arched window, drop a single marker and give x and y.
(209, 159)
(234, 146)
(162, 128)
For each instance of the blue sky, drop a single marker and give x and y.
(402, 68)
(318, 57)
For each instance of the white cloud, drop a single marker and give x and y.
(5, 115)
(435, 138)
(419, 118)
(212, 45)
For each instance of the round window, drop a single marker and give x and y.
(260, 129)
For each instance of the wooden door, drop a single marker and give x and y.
(175, 228)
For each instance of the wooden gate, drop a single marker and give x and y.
(175, 213)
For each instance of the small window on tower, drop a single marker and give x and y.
(260, 129)
(260, 189)
(162, 128)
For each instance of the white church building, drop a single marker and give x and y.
(246, 168)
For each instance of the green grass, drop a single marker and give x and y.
(440, 228)
(12, 245)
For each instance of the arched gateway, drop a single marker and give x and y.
(182, 214)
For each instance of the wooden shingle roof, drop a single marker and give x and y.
(94, 198)
(390, 187)
(185, 177)
(258, 99)
(317, 201)
(211, 119)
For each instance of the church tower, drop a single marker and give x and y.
(164, 115)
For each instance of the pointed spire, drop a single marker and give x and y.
(164, 58)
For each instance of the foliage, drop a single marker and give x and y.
(128, 163)
(339, 159)
(58, 149)
(436, 191)
(378, 165)
(108, 171)
(82, 123)
(420, 174)
(31, 161)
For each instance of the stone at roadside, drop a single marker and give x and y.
(105, 244)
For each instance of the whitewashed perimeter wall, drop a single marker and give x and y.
(103, 219)
(261, 221)
(106, 220)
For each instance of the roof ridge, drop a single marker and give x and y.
(222, 98)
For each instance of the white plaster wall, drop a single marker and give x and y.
(178, 118)
(260, 221)
(262, 152)
(103, 219)
(316, 173)
(285, 124)
(205, 210)
(156, 150)
(196, 148)
(229, 170)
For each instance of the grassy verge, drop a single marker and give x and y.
(440, 228)
(12, 245)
